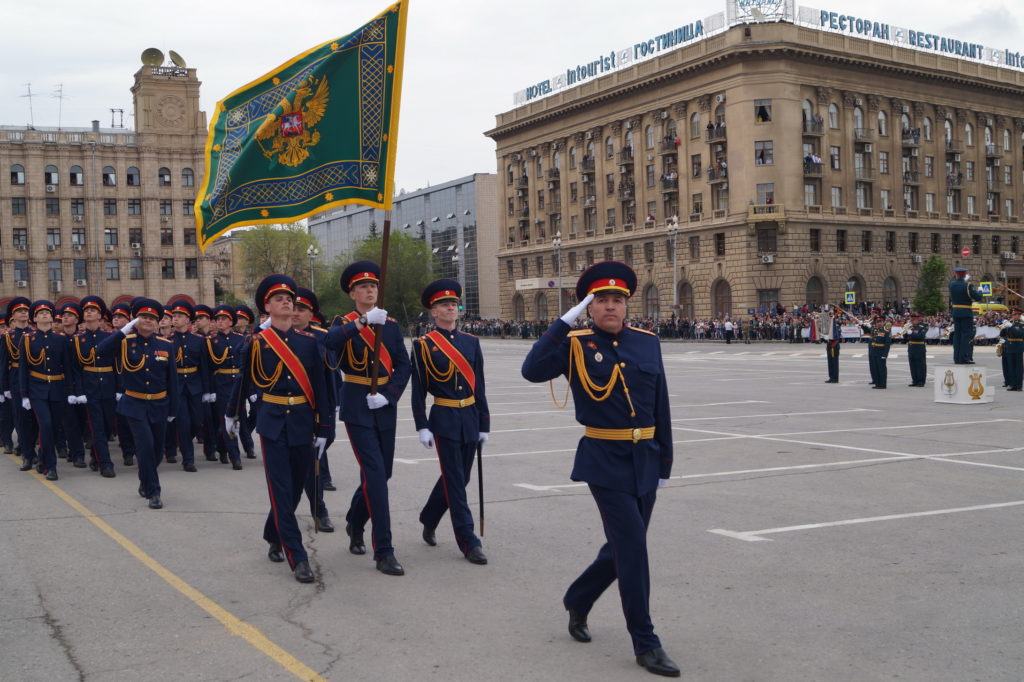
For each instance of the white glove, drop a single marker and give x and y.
(170, 419)
(72, 400)
(26, 403)
(376, 316)
(427, 438)
(577, 310)
(7, 394)
(117, 396)
(320, 444)
(376, 401)
(967, 278)
(662, 482)
(253, 398)
(82, 400)
(128, 327)
(231, 426)
(2, 398)
(483, 437)
(209, 397)
(266, 323)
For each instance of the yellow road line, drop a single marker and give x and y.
(234, 625)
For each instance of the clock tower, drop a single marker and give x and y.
(167, 99)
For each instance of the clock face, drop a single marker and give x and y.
(170, 111)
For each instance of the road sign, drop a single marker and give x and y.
(965, 252)
(851, 297)
(985, 288)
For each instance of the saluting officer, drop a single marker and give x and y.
(878, 350)
(192, 364)
(294, 408)
(98, 381)
(49, 381)
(449, 365)
(370, 418)
(1013, 351)
(225, 351)
(150, 383)
(962, 296)
(71, 429)
(621, 397)
(120, 314)
(916, 350)
(202, 326)
(10, 382)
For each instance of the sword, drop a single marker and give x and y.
(480, 481)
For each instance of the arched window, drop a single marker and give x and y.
(808, 111)
(76, 176)
(109, 176)
(969, 135)
(905, 123)
(188, 178)
(652, 304)
(721, 298)
(518, 309)
(50, 175)
(510, 174)
(720, 113)
(609, 147)
(1006, 140)
(556, 161)
(927, 125)
(815, 292)
(686, 300)
(17, 174)
(858, 118)
(833, 116)
(628, 147)
(670, 129)
(132, 177)
(695, 125)
(947, 130)
(164, 177)
(857, 288)
(883, 124)
(541, 305)
(890, 290)
(590, 151)
(649, 137)
(572, 157)
(988, 135)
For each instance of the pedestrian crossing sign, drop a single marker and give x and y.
(851, 297)
(985, 288)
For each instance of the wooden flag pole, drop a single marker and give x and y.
(378, 329)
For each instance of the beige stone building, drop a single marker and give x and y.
(108, 211)
(769, 164)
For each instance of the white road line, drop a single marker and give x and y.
(755, 535)
(492, 454)
(776, 414)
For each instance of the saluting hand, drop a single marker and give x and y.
(129, 326)
(577, 310)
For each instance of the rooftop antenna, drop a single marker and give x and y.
(31, 114)
(58, 92)
(117, 118)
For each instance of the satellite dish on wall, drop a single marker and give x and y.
(152, 57)
(176, 58)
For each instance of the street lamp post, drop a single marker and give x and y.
(556, 244)
(312, 252)
(673, 235)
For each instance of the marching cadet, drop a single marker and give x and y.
(244, 317)
(306, 306)
(618, 385)
(120, 314)
(192, 364)
(208, 430)
(370, 418)
(962, 296)
(833, 345)
(6, 414)
(449, 365)
(98, 382)
(916, 350)
(294, 408)
(71, 429)
(878, 349)
(49, 381)
(25, 425)
(1013, 351)
(247, 421)
(225, 351)
(150, 388)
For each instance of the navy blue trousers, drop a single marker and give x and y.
(125, 439)
(286, 468)
(624, 557)
(832, 354)
(148, 439)
(6, 423)
(225, 442)
(47, 414)
(1015, 365)
(185, 428)
(100, 413)
(963, 340)
(375, 453)
(449, 493)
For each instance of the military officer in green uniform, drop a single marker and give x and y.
(915, 336)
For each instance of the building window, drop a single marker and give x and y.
(540, 200)
(78, 237)
(936, 242)
(165, 207)
(695, 247)
(833, 116)
(650, 175)
(954, 242)
(52, 206)
(80, 269)
(976, 243)
(929, 166)
(720, 243)
(110, 236)
(837, 196)
(574, 224)
(865, 241)
(189, 236)
(54, 273)
(995, 245)
(886, 198)
(810, 194)
(164, 177)
(135, 207)
(912, 241)
(18, 206)
(610, 217)
(766, 193)
(815, 239)
(21, 239)
(110, 207)
(21, 270)
(695, 126)
(763, 153)
(767, 239)
(969, 135)
(166, 236)
(109, 177)
(926, 125)
(135, 269)
(51, 176)
(76, 176)
(609, 181)
(192, 268)
(167, 268)
(188, 178)
(971, 208)
(863, 195)
(510, 268)
(132, 177)
(1008, 205)
(762, 110)
(883, 124)
(833, 158)
(841, 241)
(609, 253)
(649, 252)
(609, 147)
(17, 174)
(969, 170)
(187, 207)
(78, 207)
(883, 163)
(929, 202)
(53, 237)
(112, 268)
(135, 236)
(627, 254)
(572, 261)
(697, 201)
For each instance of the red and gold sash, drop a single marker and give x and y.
(456, 358)
(367, 335)
(292, 362)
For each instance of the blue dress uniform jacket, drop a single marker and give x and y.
(99, 382)
(878, 352)
(25, 425)
(47, 376)
(190, 355)
(619, 465)
(961, 296)
(355, 355)
(225, 355)
(1014, 355)
(916, 336)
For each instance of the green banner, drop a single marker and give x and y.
(318, 131)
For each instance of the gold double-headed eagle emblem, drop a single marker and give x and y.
(292, 134)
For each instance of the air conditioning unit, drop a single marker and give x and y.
(768, 258)
(81, 282)
(21, 284)
(1009, 255)
(868, 147)
(136, 245)
(137, 253)
(581, 267)
(664, 115)
(51, 247)
(76, 218)
(21, 247)
(915, 152)
(55, 285)
(165, 218)
(76, 247)
(956, 157)
(51, 189)
(916, 259)
(906, 109)
(719, 99)
(109, 248)
(589, 135)
(1001, 274)
(517, 157)
(996, 163)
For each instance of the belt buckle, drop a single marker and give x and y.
(462, 402)
(636, 435)
(293, 400)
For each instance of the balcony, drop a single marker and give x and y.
(587, 165)
(590, 201)
(716, 175)
(865, 174)
(715, 133)
(669, 184)
(911, 178)
(759, 213)
(524, 181)
(524, 212)
(554, 174)
(864, 134)
(955, 180)
(954, 146)
(993, 184)
(911, 138)
(813, 170)
(814, 127)
(626, 155)
(626, 192)
(668, 146)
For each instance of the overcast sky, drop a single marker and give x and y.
(464, 58)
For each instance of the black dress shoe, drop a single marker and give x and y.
(171, 459)
(881, 387)
(26, 465)
(107, 471)
(8, 449)
(325, 524)
(275, 554)
(79, 463)
(249, 454)
(155, 503)
(578, 626)
(355, 542)
(129, 460)
(303, 573)
(329, 486)
(657, 661)
(94, 465)
(190, 467)
(476, 556)
(210, 457)
(40, 467)
(51, 475)
(142, 491)
(224, 458)
(237, 466)
(389, 565)
(429, 537)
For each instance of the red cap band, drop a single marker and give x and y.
(299, 300)
(153, 312)
(276, 289)
(610, 284)
(442, 295)
(362, 277)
